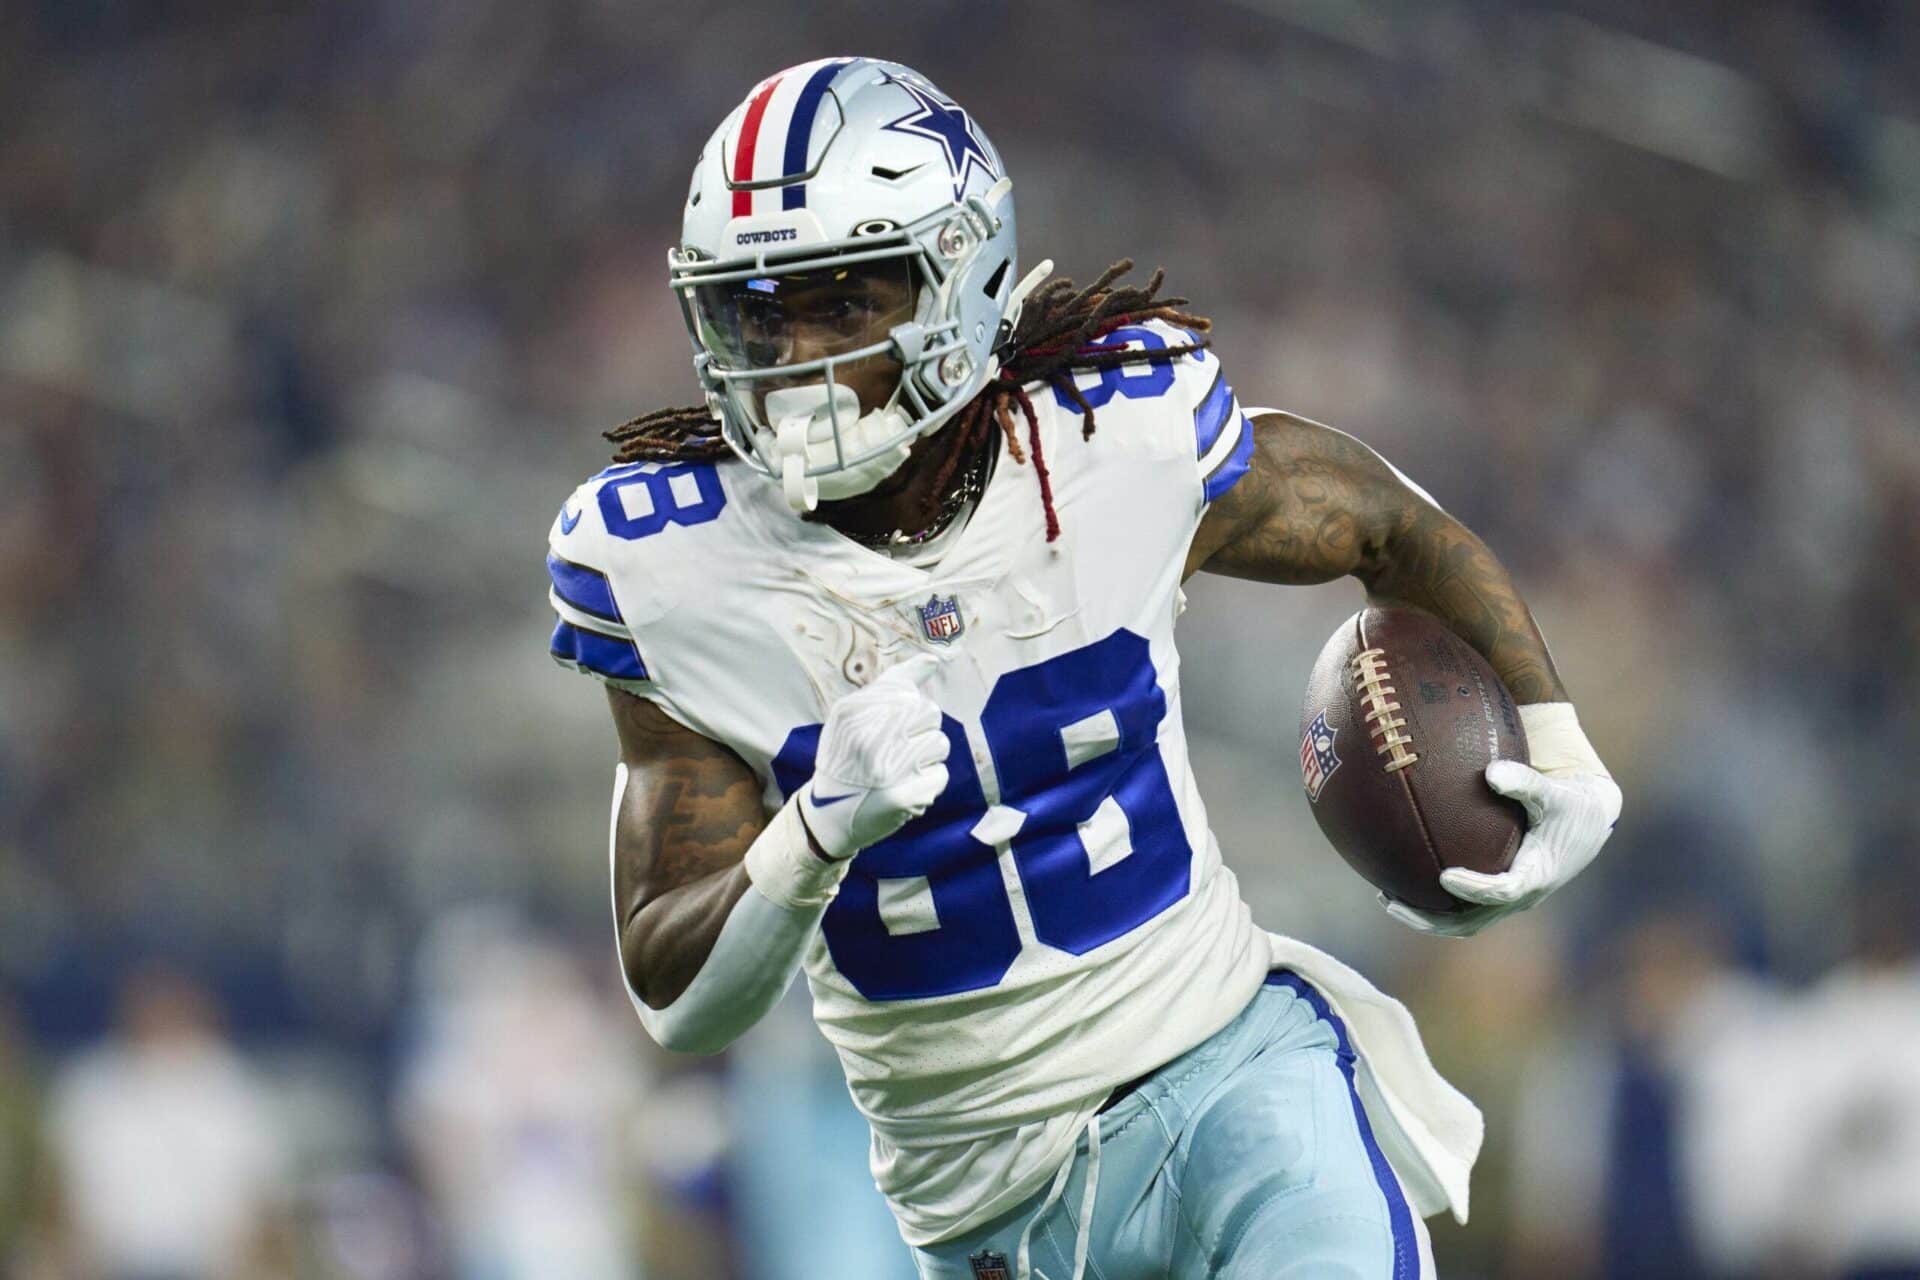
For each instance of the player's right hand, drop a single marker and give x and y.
(882, 761)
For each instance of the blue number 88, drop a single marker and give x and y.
(1067, 735)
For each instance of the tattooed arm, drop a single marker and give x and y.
(688, 812)
(717, 905)
(1316, 505)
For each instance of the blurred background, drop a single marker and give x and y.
(310, 315)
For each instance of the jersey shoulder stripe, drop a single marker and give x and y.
(1214, 410)
(609, 657)
(585, 589)
(1230, 458)
(591, 635)
(1222, 436)
(619, 559)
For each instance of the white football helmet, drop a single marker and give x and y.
(837, 170)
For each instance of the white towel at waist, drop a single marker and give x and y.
(1429, 1131)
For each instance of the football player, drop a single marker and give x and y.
(888, 630)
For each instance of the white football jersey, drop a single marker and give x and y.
(1060, 921)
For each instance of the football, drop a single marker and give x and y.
(1400, 721)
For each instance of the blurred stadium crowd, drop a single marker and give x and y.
(309, 316)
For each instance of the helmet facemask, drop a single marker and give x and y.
(810, 366)
(806, 403)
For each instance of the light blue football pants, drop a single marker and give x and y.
(1246, 1158)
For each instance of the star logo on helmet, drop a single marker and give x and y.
(948, 125)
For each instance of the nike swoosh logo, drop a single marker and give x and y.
(821, 802)
(568, 521)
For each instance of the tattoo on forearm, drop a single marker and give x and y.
(692, 821)
(1437, 563)
(690, 811)
(1318, 505)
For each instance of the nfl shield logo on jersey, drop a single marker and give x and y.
(940, 619)
(990, 1266)
(1317, 761)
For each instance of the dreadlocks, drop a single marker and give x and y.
(1059, 335)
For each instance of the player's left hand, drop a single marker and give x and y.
(1569, 816)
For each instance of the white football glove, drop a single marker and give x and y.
(1571, 803)
(882, 761)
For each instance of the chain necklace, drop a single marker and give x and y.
(972, 483)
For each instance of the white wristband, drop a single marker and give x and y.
(782, 865)
(1555, 743)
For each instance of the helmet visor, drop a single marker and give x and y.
(787, 318)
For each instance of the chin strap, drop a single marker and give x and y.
(1017, 300)
(807, 420)
(801, 489)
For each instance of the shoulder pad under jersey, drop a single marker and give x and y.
(619, 555)
(1181, 408)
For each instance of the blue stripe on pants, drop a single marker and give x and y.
(1406, 1251)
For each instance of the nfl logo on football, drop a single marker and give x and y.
(940, 619)
(1317, 760)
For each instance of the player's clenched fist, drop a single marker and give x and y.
(882, 761)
